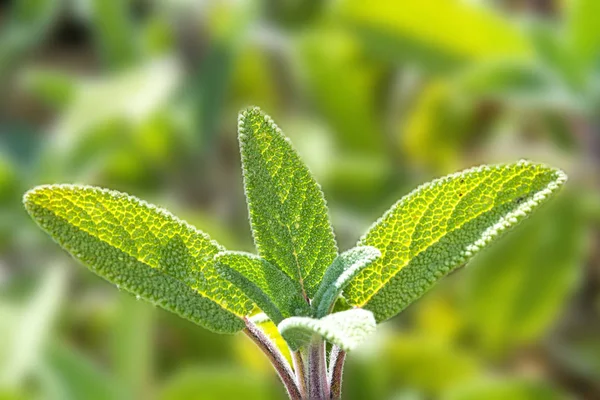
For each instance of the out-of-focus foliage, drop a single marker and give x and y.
(533, 292)
(138, 95)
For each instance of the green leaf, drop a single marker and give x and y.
(440, 226)
(143, 249)
(339, 274)
(287, 209)
(418, 30)
(346, 329)
(583, 32)
(272, 290)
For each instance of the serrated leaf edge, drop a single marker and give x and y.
(488, 235)
(117, 194)
(241, 138)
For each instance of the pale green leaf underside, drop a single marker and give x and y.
(440, 226)
(275, 293)
(288, 212)
(142, 249)
(339, 274)
(346, 329)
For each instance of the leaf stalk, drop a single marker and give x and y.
(277, 359)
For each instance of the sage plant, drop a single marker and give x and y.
(298, 279)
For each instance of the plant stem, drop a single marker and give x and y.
(336, 369)
(318, 387)
(300, 370)
(274, 355)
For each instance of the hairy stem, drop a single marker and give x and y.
(274, 355)
(300, 370)
(318, 387)
(336, 369)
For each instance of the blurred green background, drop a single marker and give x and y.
(378, 97)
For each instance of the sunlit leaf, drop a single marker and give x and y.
(440, 226)
(288, 213)
(346, 329)
(143, 249)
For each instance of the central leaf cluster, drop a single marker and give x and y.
(298, 272)
(298, 279)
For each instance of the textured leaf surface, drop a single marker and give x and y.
(339, 274)
(346, 329)
(142, 249)
(440, 225)
(270, 288)
(288, 213)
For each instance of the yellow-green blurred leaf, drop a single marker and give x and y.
(514, 389)
(518, 287)
(434, 132)
(584, 32)
(429, 365)
(435, 32)
(214, 383)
